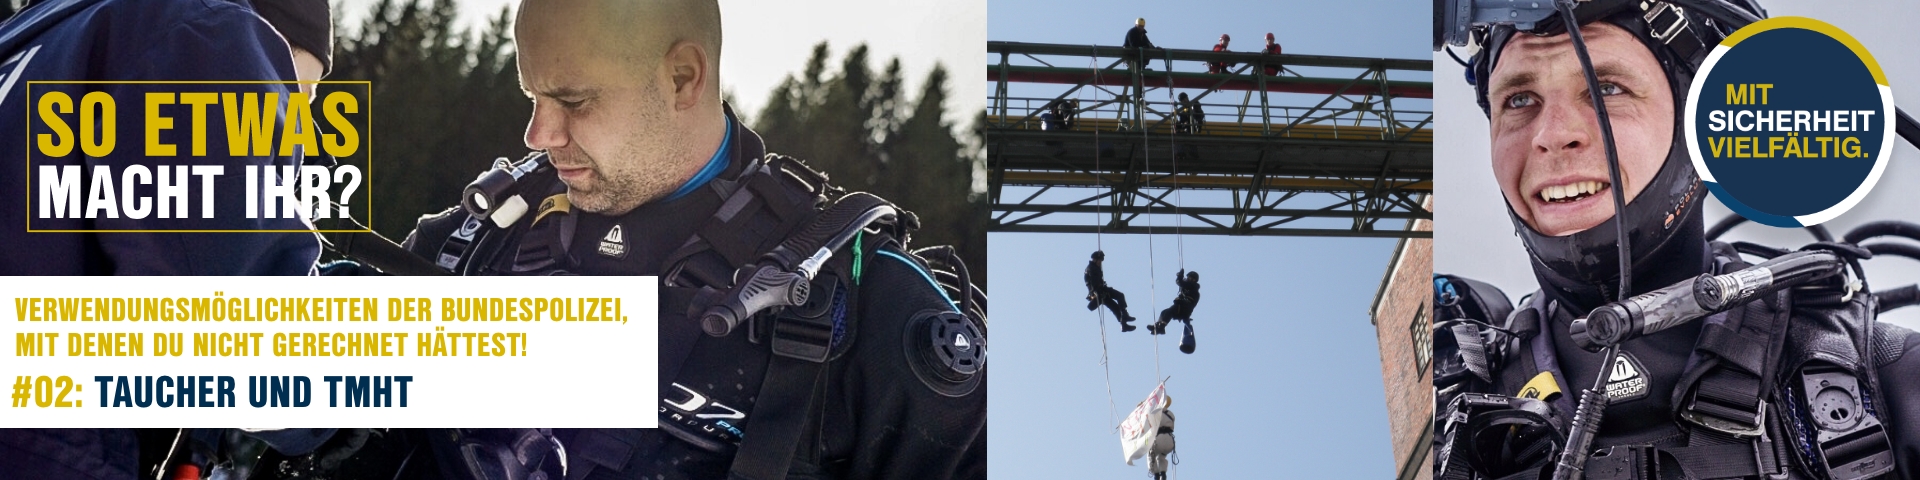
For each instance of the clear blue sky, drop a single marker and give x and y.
(1286, 382)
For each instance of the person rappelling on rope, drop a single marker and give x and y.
(1162, 443)
(1148, 432)
(1182, 308)
(1098, 293)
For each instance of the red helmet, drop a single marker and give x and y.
(1224, 38)
(1269, 37)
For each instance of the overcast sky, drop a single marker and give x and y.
(767, 40)
(1474, 238)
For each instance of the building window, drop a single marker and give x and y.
(1422, 331)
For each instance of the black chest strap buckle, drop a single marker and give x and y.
(806, 331)
(1851, 442)
(792, 389)
(1727, 392)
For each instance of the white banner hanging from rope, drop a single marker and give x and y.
(1136, 434)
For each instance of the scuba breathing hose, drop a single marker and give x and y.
(1587, 417)
(1586, 420)
(1592, 407)
(351, 239)
(1613, 153)
(1615, 323)
(782, 277)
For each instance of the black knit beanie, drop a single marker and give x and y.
(306, 24)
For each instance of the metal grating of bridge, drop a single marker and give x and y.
(1317, 150)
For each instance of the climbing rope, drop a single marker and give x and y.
(1146, 156)
(1112, 418)
(1099, 243)
(1173, 144)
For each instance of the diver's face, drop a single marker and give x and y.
(601, 115)
(1548, 150)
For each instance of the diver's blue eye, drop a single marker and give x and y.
(1521, 100)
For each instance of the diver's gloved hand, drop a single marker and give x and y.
(501, 454)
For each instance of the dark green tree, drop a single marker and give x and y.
(444, 105)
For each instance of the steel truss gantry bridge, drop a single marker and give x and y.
(1323, 153)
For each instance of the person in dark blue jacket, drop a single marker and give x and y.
(1182, 308)
(1137, 44)
(123, 40)
(308, 28)
(1099, 293)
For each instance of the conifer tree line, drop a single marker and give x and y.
(446, 102)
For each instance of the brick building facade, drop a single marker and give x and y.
(1402, 318)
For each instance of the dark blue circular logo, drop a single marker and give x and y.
(1789, 122)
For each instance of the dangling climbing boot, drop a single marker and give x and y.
(1158, 328)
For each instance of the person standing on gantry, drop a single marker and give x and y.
(1221, 67)
(1137, 45)
(1273, 48)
